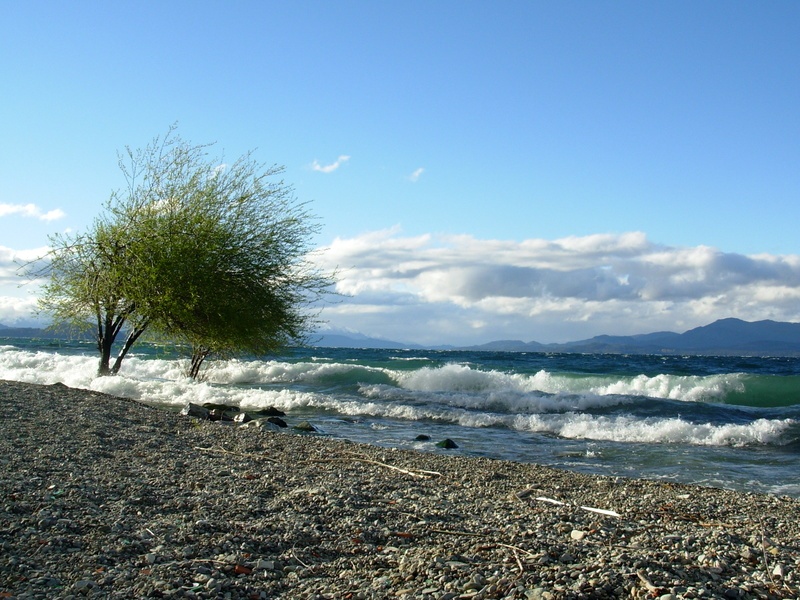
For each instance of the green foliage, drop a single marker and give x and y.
(208, 254)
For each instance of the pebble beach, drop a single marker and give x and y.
(105, 497)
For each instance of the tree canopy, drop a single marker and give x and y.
(211, 254)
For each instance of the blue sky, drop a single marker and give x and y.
(481, 170)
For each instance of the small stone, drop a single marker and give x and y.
(457, 558)
(471, 586)
(269, 565)
(577, 534)
(522, 494)
(83, 586)
(749, 555)
(212, 583)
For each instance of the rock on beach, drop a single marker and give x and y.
(104, 497)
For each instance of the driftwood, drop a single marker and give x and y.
(647, 583)
(358, 458)
(355, 457)
(601, 511)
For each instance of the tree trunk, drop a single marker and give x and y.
(129, 341)
(199, 354)
(108, 327)
(105, 356)
(104, 343)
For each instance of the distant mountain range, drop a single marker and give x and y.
(355, 340)
(47, 334)
(723, 337)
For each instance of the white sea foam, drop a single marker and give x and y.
(149, 380)
(46, 367)
(656, 430)
(273, 372)
(677, 387)
(591, 427)
(455, 394)
(457, 377)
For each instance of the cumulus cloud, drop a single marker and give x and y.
(31, 211)
(459, 289)
(19, 312)
(12, 263)
(331, 167)
(416, 175)
(18, 294)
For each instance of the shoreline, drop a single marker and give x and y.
(110, 497)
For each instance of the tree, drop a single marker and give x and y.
(210, 254)
(85, 287)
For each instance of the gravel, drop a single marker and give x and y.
(103, 497)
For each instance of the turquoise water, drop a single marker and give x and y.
(729, 422)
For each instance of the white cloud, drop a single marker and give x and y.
(218, 170)
(18, 294)
(19, 312)
(331, 167)
(434, 289)
(32, 211)
(12, 262)
(416, 175)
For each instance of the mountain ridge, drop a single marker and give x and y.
(728, 336)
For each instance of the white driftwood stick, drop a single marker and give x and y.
(601, 511)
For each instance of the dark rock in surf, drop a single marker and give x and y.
(261, 423)
(221, 407)
(307, 427)
(196, 411)
(447, 444)
(277, 421)
(422, 438)
(270, 411)
(242, 418)
(218, 414)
